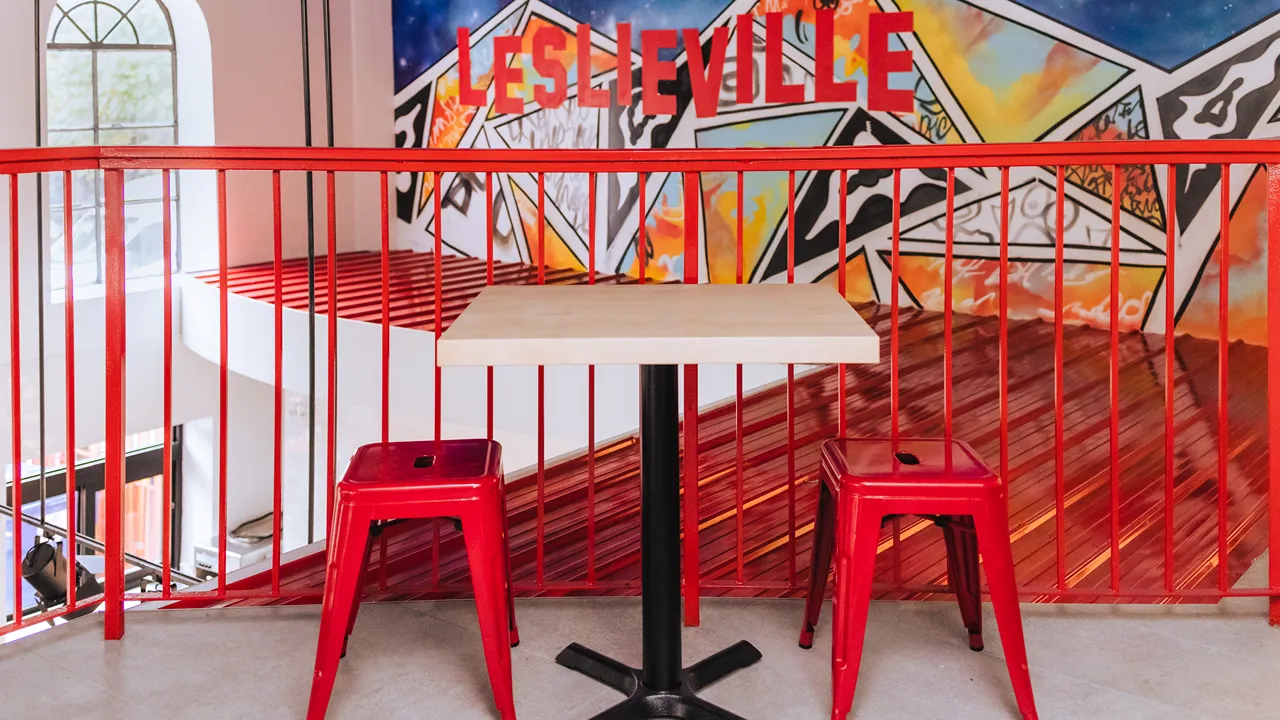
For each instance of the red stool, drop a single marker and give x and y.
(868, 481)
(404, 480)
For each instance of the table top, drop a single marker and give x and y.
(667, 324)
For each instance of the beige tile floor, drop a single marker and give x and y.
(424, 660)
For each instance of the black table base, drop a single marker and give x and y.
(644, 702)
(662, 688)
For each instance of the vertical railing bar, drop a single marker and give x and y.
(68, 261)
(791, 389)
(277, 494)
(1170, 311)
(166, 490)
(437, 292)
(642, 240)
(1224, 306)
(948, 321)
(1059, 459)
(438, 312)
(488, 280)
(113, 399)
(307, 131)
(692, 272)
(739, 411)
(542, 390)
(385, 198)
(37, 52)
(1004, 325)
(15, 395)
(331, 465)
(223, 380)
(895, 363)
(1273, 389)
(591, 392)
(1117, 188)
(895, 360)
(842, 283)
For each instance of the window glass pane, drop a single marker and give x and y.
(144, 517)
(70, 83)
(146, 185)
(86, 234)
(144, 238)
(72, 138)
(109, 17)
(152, 25)
(135, 87)
(121, 34)
(85, 17)
(83, 189)
(137, 136)
(67, 31)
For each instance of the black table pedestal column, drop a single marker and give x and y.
(662, 688)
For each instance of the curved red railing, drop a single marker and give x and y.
(113, 162)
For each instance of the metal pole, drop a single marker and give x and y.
(660, 525)
(331, 371)
(311, 285)
(328, 73)
(36, 45)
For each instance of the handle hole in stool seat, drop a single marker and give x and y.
(425, 461)
(907, 458)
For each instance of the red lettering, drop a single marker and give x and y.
(624, 64)
(653, 71)
(705, 81)
(775, 89)
(881, 61)
(746, 62)
(826, 89)
(587, 95)
(549, 38)
(504, 46)
(468, 95)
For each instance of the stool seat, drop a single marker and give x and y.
(423, 464)
(459, 479)
(865, 465)
(868, 480)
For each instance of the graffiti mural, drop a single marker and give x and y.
(978, 71)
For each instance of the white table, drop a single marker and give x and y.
(659, 327)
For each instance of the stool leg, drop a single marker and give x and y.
(858, 536)
(992, 523)
(824, 537)
(350, 536)
(962, 570)
(506, 559)
(355, 603)
(486, 548)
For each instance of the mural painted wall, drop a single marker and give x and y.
(981, 71)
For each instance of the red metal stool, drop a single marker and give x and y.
(868, 481)
(404, 480)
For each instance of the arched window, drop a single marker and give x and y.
(112, 79)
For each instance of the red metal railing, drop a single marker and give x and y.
(748, 543)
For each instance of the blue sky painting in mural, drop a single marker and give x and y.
(1166, 33)
(426, 30)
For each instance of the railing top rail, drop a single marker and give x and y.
(1128, 152)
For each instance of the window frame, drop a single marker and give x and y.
(140, 464)
(62, 15)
